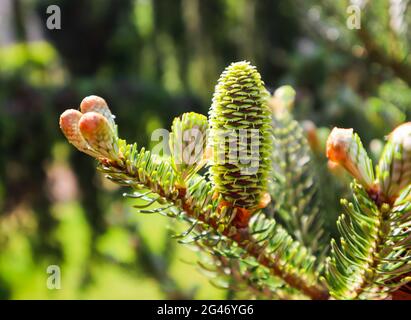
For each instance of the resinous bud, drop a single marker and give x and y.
(345, 148)
(99, 134)
(97, 104)
(69, 125)
(394, 167)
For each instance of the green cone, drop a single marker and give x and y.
(240, 136)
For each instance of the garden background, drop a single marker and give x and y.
(153, 60)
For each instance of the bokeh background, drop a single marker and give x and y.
(153, 60)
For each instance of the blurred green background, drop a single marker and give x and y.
(153, 60)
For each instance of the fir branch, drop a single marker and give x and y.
(146, 170)
(295, 192)
(375, 253)
(247, 281)
(374, 257)
(351, 267)
(401, 68)
(214, 223)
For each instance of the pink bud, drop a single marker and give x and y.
(338, 144)
(69, 124)
(345, 148)
(98, 133)
(99, 105)
(402, 135)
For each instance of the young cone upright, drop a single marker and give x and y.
(240, 126)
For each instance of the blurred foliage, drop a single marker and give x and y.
(153, 60)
